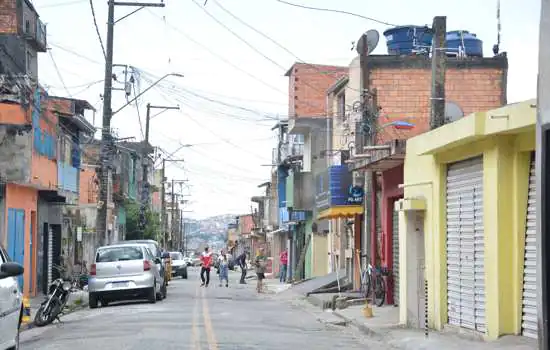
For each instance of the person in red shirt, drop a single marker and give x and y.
(206, 261)
(283, 259)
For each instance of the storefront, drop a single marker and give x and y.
(466, 225)
(340, 202)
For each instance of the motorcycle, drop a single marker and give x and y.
(54, 303)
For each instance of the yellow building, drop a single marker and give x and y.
(467, 223)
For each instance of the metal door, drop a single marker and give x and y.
(465, 245)
(529, 299)
(16, 238)
(395, 250)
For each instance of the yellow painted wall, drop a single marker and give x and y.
(319, 255)
(505, 137)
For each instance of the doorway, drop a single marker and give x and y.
(416, 277)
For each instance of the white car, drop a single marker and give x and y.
(11, 302)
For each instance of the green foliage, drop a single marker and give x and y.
(132, 222)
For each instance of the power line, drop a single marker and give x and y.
(97, 29)
(73, 52)
(220, 57)
(336, 11)
(238, 36)
(59, 74)
(258, 51)
(61, 4)
(214, 133)
(281, 46)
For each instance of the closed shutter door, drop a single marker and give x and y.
(529, 317)
(465, 245)
(395, 257)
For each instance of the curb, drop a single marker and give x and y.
(360, 326)
(30, 325)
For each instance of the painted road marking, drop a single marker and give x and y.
(195, 334)
(208, 328)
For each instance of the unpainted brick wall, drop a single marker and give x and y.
(403, 93)
(307, 90)
(8, 16)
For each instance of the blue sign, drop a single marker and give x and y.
(355, 195)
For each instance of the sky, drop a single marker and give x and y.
(234, 90)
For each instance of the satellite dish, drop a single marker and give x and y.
(370, 40)
(453, 112)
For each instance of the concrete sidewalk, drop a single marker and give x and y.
(384, 326)
(77, 300)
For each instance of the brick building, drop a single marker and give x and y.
(402, 87)
(307, 88)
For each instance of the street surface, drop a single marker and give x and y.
(196, 318)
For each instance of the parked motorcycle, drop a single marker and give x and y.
(54, 303)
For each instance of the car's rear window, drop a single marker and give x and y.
(119, 254)
(176, 256)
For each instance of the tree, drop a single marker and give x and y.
(152, 227)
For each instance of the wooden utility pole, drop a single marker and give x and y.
(437, 103)
(163, 202)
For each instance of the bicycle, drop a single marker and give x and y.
(369, 275)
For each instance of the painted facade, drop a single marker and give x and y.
(402, 86)
(499, 145)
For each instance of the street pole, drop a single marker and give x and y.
(172, 215)
(543, 175)
(106, 149)
(145, 155)
(437, 103)
(163, 203)
(106, 137)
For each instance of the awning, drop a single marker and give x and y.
(344, 211)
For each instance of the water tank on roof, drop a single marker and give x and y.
(406, 40)
(463, 43)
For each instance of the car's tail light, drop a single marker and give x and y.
(146, 265)
(93, 270)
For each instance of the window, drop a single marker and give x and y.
(119, 254)
(29, 64)
(341, 107)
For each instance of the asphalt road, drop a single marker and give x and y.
(196, 318)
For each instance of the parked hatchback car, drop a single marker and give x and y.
(123, 272)
(179, 265)
(154, 246)
(11, 302)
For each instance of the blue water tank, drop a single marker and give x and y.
(404, 40)
(464, 41)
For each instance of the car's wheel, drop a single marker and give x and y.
(152, 294)
(184, 275)
(92, 301)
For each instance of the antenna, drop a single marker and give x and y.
(496, 47)
(371, 38)
(453, 112)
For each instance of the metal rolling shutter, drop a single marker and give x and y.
(395, 241)
(529, 299)
(465, 245)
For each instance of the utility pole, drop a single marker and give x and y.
(437, 103)
(145, 155)
(543, 175)
(106, 137)
(164, 222)
(173, 214)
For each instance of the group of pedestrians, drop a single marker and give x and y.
(260, 264)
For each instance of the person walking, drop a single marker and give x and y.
(283, 259)
(223, 267)
(241, 261)
(206, 261)
(260, 262)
